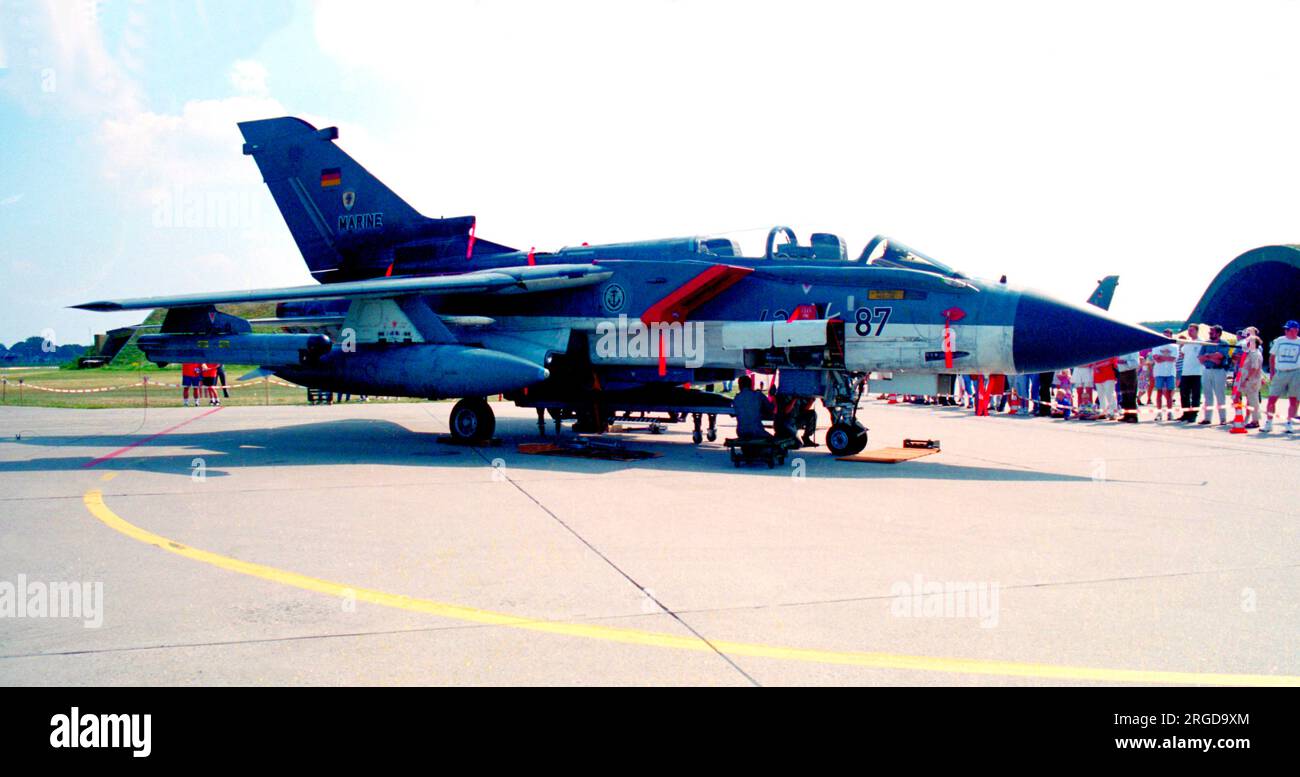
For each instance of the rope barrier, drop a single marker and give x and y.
(22, 383)
(145, 382)
(1092, 408)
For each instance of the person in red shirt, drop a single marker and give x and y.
(1103, 376)
(209, 372)
(191, 376)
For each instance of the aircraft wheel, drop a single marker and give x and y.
(472, 420)
(712, 435)
(697, 437)
(859, 439)
(846, 439)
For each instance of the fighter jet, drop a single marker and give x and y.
(407, 305)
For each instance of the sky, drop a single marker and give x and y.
(1051, 142)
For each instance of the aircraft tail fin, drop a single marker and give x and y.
(1105, 292)
(346, 222)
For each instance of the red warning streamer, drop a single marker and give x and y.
(950, 315)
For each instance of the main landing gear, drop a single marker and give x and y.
(698, 435)
(472, 420)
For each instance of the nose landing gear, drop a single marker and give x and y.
(846, 439)
(847, 435)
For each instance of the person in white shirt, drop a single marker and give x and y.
(1189, 385)
(1163, 376)
(1284, 366)
(1250, 376)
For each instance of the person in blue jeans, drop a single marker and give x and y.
(1027, 389)
(968, 390)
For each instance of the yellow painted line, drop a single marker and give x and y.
(94, 501)
(107, 476)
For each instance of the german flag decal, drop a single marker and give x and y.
(330, 177)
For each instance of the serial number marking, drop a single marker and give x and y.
(865, 317)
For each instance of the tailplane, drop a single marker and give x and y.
(1105, 292)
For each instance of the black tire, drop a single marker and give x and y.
(859, 441)
(839, 439)
(472, 420)
(712, 435)
(846, 439)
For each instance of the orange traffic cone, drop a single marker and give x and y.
(1238, 423)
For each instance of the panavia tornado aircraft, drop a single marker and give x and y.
(407, 305)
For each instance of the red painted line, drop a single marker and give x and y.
(695, 292)
(144, 440)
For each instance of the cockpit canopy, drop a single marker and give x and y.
(782, 243)
(822, 245)
(885, 252)
(881, 251)
(720, 246)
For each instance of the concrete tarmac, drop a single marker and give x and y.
(345, 545)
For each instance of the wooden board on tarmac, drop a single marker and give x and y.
(890, 455)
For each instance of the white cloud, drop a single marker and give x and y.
(199, 145)
(183, 210)
(248, 77)
(186, 169)
(65, 64)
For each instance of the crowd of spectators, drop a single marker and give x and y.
(1212, 375)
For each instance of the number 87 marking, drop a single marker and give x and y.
(865, 317)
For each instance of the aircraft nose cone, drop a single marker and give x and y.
(1052, 335)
